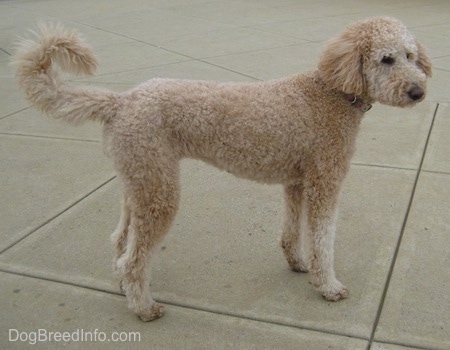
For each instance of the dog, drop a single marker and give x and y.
(297, 131)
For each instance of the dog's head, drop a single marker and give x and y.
(378, 59)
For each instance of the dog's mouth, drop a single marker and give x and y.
(408, 102)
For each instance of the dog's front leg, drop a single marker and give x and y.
(293, 239)
(322, 216)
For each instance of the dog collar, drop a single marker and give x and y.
(358, 103)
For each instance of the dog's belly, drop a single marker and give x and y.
(269, 168)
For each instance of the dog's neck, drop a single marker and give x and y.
(357, 102)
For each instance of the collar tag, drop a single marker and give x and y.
(366, 107)
(358, 103)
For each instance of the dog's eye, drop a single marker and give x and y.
(387, 60)
(409, 56)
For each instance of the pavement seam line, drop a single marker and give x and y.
(179, 305)
(14, 113)
(408, 346)
(48, 137)
(50, 219)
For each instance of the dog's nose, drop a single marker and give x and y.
(416, 93)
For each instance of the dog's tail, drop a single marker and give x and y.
(46, 90)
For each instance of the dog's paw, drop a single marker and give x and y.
(333, 291)
(299, 266)
(336, 296)
(154, 312)
(122, 287)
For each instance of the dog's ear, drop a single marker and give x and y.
(423, 61)
(341, 63)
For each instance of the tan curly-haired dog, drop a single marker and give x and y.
(297, 131)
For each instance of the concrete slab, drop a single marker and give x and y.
(422, 14)
(182, 70)
(235, 13)
(132, 55)
(41, 177)
(289, 60)
(255, 13)
(225, 42)
(222, 254)
(149, 24)
(414, 15)
(310, 29)
(394, 137)
(88, 314)
(438, 151)
(11, 100)
(15, 19)
(381, 346)
(416, 310)
(30, 122)
(67, 10)
(74, 247)
(435, 44)
(6, 72)
(437, 90)
(98, 37)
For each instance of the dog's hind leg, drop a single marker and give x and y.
(152, 197)
(294, 236)
(119, 236)
(322, 197)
